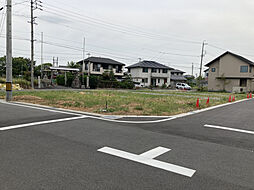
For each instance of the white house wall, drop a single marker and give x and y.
(138, 74)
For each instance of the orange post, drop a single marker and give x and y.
(207, 102)
(233, 98)
(248, 96)
(229, 99)
(197, 104)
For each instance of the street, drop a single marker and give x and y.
(44, 148)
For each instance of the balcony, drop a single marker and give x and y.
(100, 71)
(160, 75)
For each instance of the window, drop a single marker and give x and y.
(165, 71)
(145, 70)
(213, 70)
(159, 71)
(244, 69)
(154, 70)
(243, 82)
(129, 70)
(145, 80)
(159, 80)
(96, 67)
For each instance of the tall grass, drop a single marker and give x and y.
(22, 82)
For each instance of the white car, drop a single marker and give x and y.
(138, 85)
(183, 86)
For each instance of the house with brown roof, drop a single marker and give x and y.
(230, 72)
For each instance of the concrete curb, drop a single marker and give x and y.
(104, 117)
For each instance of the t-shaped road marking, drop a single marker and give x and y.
(147, 158)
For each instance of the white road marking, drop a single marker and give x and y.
(40, 108)
(40, 123)
(155, 152)
(149, 161)
(230, 129)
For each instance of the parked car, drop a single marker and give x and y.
(183, 86)
(138, 84)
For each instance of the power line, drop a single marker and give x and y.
(124, 28)
(2, 20)
(185, 55)
(107, 48)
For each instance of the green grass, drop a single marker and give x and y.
(123, 102)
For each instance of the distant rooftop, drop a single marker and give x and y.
(177, 71)
(101, 60)
(177, 78)
(64, 69)
(149, 64)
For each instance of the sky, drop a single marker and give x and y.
(170, 32)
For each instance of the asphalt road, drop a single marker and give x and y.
(64, 154)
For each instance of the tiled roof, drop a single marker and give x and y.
(178, 78)
(177, 71)
(149, 64)
(102, 60)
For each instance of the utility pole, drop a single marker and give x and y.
(83, 66)
(42, 67)
(88, 73)
(201, 62)
(192, 69)
(35, 4)
(9, 51)
(32, 44)
(202, 57)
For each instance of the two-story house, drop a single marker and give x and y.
(230, 72)
(176, 77)
(98, 65)
(149, 73)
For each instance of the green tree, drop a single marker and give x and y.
(20, 66)
(72, 64)
(37, 69)
(2, 66)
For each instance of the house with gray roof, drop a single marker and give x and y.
(149, 73)
(230, 72)
(177, 77)
(98, 65)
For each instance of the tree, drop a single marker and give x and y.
(2, 66)
(37, 69)
(20, 66)
(72, 64)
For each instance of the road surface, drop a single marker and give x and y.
(43, 148)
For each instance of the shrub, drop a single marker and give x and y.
(60, 80)
(126, 84)
(70, 78)
(93, 82)
(164, 86)
(81, 77)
